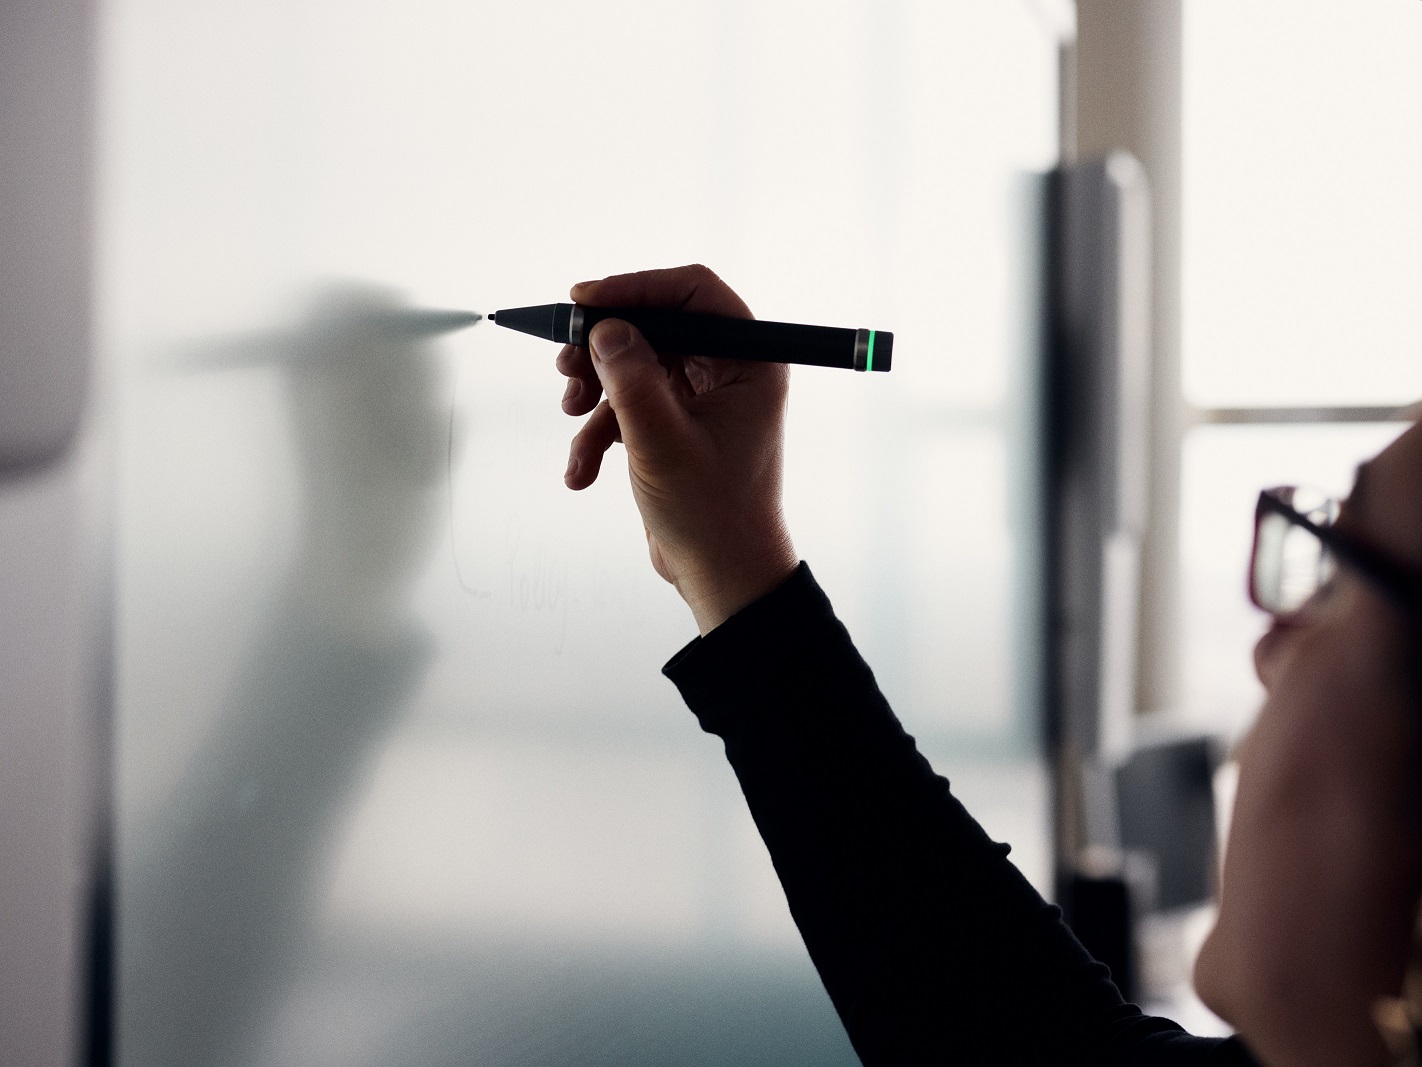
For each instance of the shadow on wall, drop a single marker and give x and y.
(216, 899)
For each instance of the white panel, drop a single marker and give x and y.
(399, 779)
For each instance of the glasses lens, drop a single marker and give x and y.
(1290, 563)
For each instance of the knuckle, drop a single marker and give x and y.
(702, 275)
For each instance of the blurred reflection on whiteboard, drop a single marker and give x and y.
(220, 889)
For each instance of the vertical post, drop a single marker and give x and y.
(1096, 460)
(1127, 95)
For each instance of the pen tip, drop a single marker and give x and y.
(493, 316)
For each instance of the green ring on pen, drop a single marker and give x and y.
(869, 358)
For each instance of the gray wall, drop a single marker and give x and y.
(51, 646)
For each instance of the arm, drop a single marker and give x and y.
(932, 946)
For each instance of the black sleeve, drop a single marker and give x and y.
(932, 946)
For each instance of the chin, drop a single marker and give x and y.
(1210, 979)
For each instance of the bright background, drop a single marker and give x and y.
(1302, 271)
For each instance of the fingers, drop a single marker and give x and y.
(650, 402)
(692, 288)
(583, 390)
(574, 362)
(589, 446)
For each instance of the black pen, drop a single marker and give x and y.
(683, 333)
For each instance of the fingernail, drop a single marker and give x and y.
(572, 469)
(575, 386)
(609, 338)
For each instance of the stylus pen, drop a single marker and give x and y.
(684, 333)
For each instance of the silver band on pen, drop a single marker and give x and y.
(861, 349)
(576, 319)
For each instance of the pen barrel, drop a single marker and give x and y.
(682, 333)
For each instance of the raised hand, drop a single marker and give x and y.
(704, 441)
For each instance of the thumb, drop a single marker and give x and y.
(641, 392)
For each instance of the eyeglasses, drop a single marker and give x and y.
(1297, 551)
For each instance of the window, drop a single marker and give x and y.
(1301, 334)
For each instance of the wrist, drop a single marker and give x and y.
(716, 592)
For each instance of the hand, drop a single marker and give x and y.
(703, 438)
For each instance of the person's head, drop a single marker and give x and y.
(1323, 868)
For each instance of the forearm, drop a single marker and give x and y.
(930, 943)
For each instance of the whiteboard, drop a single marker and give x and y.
(399, 780)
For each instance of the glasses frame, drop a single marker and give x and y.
(1401, 584)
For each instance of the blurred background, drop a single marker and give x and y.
(313, 661)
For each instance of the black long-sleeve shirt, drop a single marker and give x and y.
(931, 944)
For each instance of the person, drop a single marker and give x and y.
(931, 945)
